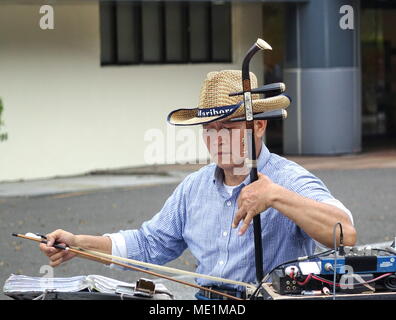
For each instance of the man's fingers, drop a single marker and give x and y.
(239, 201)
(43, 247)
(47, 250)
(241, 195)
(53, 236)
(50, 240)
(246, 222)
(56, 262)
(246, 217)
(58, 255)
(238, 217)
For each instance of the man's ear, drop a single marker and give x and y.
(259, 127)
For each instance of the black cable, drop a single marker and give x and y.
(390, 282)
(316, 255)
(341, 250)
(384, 250)
(335, 253)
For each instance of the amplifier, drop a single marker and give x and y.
(359, 264)
(354, 274)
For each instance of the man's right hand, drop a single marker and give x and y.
(57, 256)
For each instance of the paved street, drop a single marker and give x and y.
(368, 193)
(92, 213)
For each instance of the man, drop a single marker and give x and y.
(210, 212)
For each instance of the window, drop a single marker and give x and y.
(149, 32)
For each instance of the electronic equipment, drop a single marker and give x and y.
(357, 270)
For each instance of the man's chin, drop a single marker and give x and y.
(236, 169)
(225, 166)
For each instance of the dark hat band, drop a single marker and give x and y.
(218, 111)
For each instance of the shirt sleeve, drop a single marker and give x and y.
(160, 239)
(339, 205)
(308, 185)
(118, 247)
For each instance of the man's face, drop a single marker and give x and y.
(226, 143)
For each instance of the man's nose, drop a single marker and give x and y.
(219, 139)
(217, 126)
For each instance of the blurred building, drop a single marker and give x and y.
(81, 96)
(340, 78)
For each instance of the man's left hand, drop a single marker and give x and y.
(253, 199)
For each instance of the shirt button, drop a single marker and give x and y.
(228, 203)
(225, 233)
(221, 262)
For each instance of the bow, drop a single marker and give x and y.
(122, 262)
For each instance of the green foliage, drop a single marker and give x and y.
(3, 136)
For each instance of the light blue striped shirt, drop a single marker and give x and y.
(199, 213)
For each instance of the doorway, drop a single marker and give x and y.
(378, 58)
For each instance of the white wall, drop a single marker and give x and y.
(66, 115)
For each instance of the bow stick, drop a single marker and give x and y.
(170, 269)
(105, 258)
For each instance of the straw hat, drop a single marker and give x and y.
(215, 102)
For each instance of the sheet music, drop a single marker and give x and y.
(22, 283)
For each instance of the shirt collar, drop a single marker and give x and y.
(261, 162)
